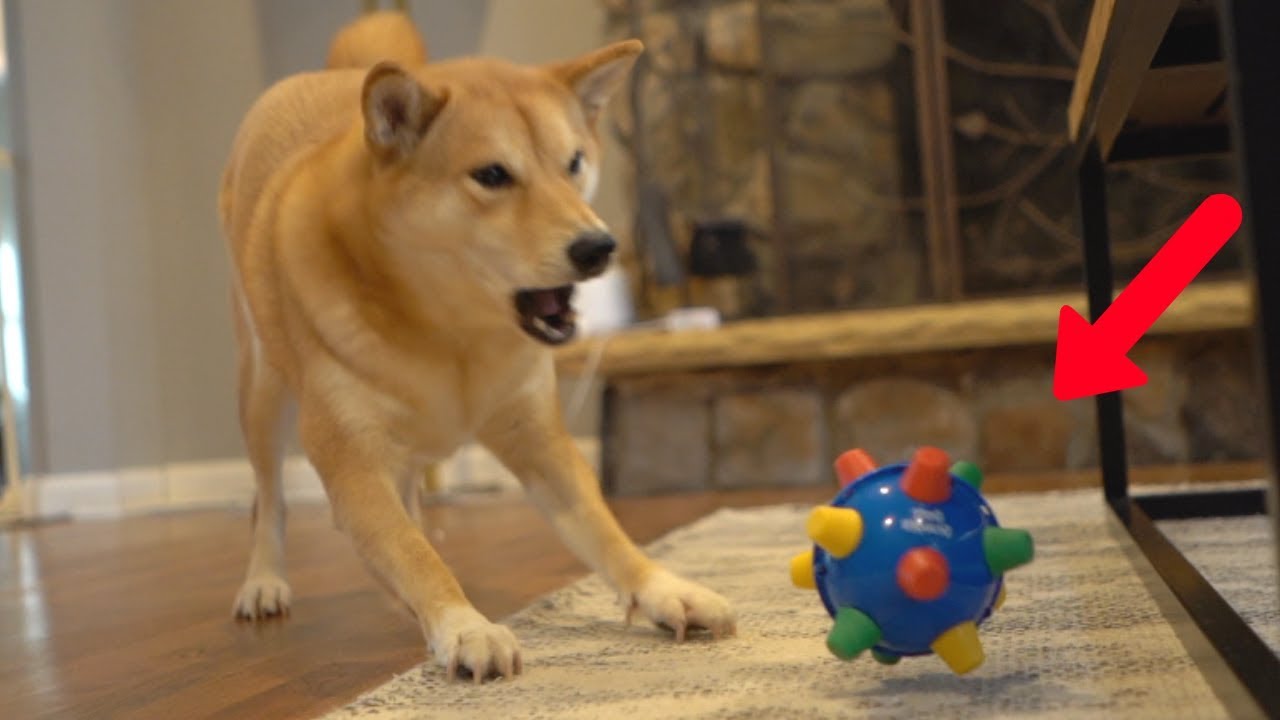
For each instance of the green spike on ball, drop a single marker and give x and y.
(853, 633)
(968, 472)
(1006, 549)
(885, 658)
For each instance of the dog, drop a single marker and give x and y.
(404, 238)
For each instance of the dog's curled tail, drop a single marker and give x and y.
(375, 37)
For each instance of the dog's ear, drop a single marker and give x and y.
(397, 110)
(596, 76)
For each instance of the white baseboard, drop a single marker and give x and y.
(229, 483)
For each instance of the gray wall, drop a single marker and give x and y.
(126, 110)
(296, 32)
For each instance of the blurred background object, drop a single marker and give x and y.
(891, 151)
(905, 171)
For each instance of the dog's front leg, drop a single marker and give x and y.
(359, 471)
(530, 439)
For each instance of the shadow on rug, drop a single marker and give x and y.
(1232, 554)
(1078, 637)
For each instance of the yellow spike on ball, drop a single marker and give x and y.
(802, 571)
(960, 648)
(835, 529)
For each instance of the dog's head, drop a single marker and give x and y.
(482, 175)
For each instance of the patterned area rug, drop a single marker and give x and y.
(1235, 555)
(1078, 637)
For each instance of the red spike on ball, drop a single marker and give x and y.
(927, 478)
(923, 574)
(852, 465)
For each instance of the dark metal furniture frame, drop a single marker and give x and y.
(1252, 55)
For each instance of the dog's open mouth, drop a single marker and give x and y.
(547, 315)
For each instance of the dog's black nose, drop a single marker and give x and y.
(590, 253)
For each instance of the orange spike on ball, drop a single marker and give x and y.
(927, 478)
(923, 574)
(852, 465)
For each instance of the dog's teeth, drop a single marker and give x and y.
(554, 334)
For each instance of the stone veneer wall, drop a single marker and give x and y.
(800, 117)
(779, 426)
(786, 145)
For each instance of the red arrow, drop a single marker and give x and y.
(1092, 358)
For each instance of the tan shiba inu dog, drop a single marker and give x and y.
(405, 239)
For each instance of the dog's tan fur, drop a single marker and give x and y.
(377, 36)
(373, 300)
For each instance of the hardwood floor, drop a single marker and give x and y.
(131, 618)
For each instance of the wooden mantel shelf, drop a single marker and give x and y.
(1004, 322)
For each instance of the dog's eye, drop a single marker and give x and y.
(575, 165)
(493, 176)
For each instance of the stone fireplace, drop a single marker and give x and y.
(879, 155)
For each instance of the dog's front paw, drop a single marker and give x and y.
(470, 646)
(679, 605)
(263, 595)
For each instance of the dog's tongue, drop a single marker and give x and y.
(547, 303)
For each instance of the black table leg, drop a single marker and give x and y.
(1253, 56)
(1099, 284)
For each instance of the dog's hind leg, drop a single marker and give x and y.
(265, 416)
